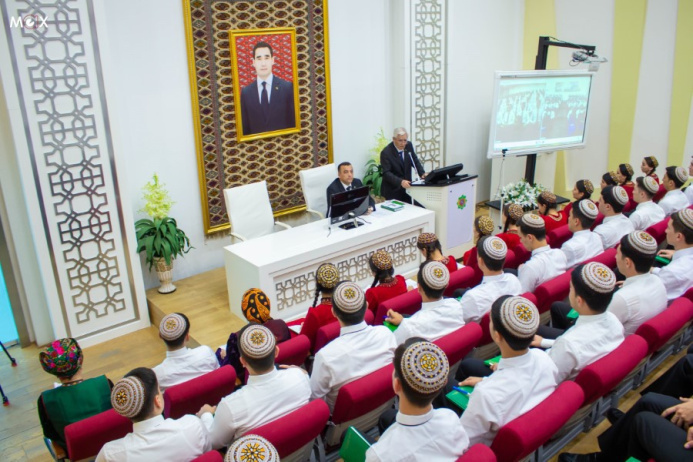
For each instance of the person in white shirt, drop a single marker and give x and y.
(677, 276)
(138, 397)
(181, 363)
(251, 448)
(476, 302)
(675, 199)
(643, 294)
(615, 224)
(647, 213)
(522, 379)
(419, 431)
(596, 332)
(584, 244)
(268, 395)
(359, 350)
(438, 316)
(546, 263)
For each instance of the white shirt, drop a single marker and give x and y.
(477, 301)
(359, 350)
(185, 364)
(673, 201)
(641, 297)
(588, 340)
(436, 436)
(689, 193)
(432, 321)
(677, 276)
(613, 228)
(268, 87)
(582, 246)
(183, 439)
(645, 215)
(517, 385)
(265, 398)
(546, 263)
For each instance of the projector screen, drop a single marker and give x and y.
(539, 111)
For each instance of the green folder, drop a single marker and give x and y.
(572, 314)
(663, 261)
(354, 447)
(460, 399)
(632, 459)
(390, 326)
(495, 360)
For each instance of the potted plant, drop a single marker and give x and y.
(159, 236)
(521, 193)
(374, 171)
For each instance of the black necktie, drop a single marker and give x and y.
(264, 99)
(349, 188)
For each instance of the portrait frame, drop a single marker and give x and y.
(242, 42)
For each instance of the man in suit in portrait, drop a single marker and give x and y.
(397, 160)
(345, 181)
(267, 104)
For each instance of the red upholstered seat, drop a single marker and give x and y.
(330, 331)
(511, 260)
(598, 221)
(658, 230)
(462, 279)
(689, 294)
(525, 434)
(459, 343)
(661, 193)
(189, 397)
(657, 331)
(293, 351)
(86, 438)
(558, 236)
(553, 290)
(522, 255)
(608, 257)
(478, 453)
(408, 303)
(630, 205)
(210, 456)
(293, 434)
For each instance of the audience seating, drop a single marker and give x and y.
(661, 193)
(689, 294)
(459, 343)
(525, 434)
(553, 290)
(522, 255)
(511, 260)
(630, 206)
(408, 303)
(558, 236)
(597, 221)
(658, 230)
(190, 396)
(608, 257)
(86, 438)
(360, 403)
(293, 435)
(478, 453)
(462, 279)
(293, 351)
(329, 332)
(210, 456)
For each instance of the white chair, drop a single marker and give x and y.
(250, 212)
(314, 183)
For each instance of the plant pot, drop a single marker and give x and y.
(165, 273)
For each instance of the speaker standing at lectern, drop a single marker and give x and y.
(397, 159)
(345, 181)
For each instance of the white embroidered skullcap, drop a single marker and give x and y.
(520, 317)
(686, 217)
(643, 243)
(681, 174)
(435, 275)
(650, 184)
(172, 327)
(425, 367)
(598, 277)
(619, 194)
(257, 342)
(251, 448)
(127, 397)
(495, 248)
(348, 297)
(588, 208)
(533, 220)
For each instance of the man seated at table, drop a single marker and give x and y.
(615, 225)
(345, 181)
(584, 244)
(677, 276)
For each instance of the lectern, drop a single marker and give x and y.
(454, 203)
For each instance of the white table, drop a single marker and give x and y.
(283, 264)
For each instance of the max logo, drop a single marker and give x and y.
(30, 21)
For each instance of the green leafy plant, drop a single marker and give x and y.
(159, 236)
(374, 171)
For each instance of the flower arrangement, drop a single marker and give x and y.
(521, 193)
(374, 171)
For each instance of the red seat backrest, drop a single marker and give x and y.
(210, 456)
(293, 351)
(511, 260)
(485, 338)
(86, 438)
(461, 279)
(190, 396)
(558, 236)
(630, 205)
(363, 395)
(459, 343)
(608, 257)
(408, 303)
(290, 433)
(553, 290)
(689, 294)
(661, 193)
(478, 453)
(522, 255)
(658, 230)
(330, 331)
(600, 377)
(525, 434)
(659, 329)
(597, 221)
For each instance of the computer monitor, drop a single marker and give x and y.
(443, 175)
(348, 205)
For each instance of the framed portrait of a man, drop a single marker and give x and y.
(265, 82)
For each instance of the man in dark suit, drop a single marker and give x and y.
(397, 160)
(345, 181)
(267, 104)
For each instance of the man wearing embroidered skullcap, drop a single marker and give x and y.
(420, 432)
(359, 350)
(251, 448)
(584, 244)
(522, 379)
(675, 199)
(615, 225)
(596, 333)
(677, 276)
(269, 394)
(477, 301)
(438, 316)
(76, 398)
(181, 363)
(647, 213)
(138, 397)
(545, 263)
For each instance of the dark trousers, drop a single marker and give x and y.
(677, 381)
(559, 316)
